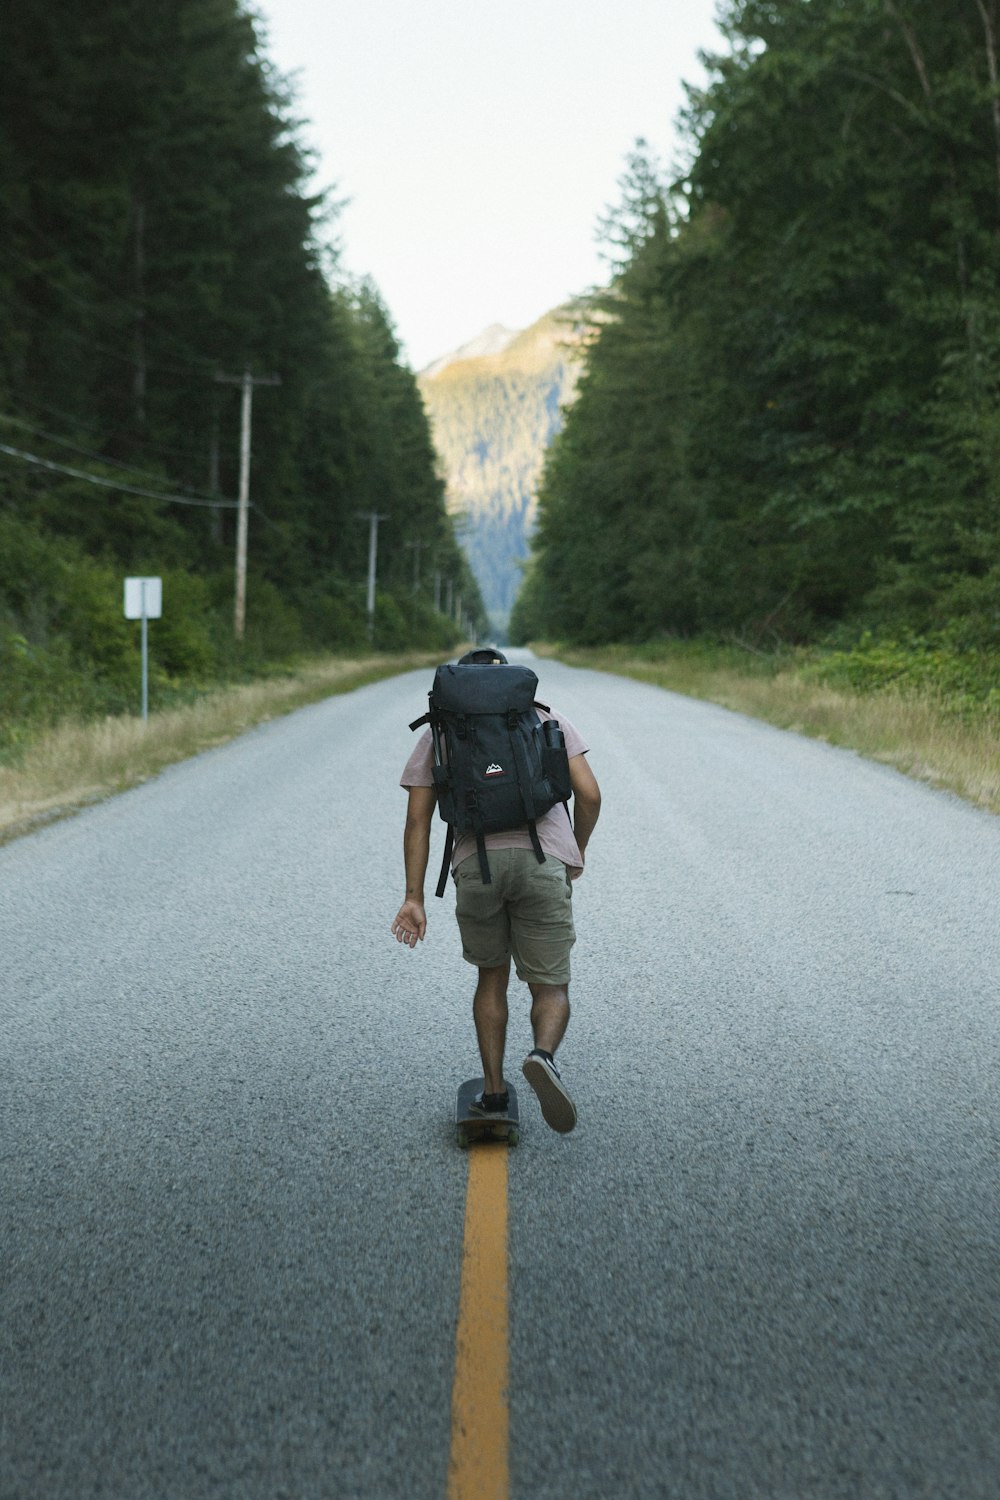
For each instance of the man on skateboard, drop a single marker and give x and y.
(523, 914)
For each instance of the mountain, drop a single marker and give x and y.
(494, 405)
(492, 340)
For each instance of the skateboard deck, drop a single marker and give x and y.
(471, 1127)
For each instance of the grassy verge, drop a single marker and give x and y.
(76, 763)
(934, 728)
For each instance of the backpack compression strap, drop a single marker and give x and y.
(449, 844)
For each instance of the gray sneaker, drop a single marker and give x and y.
(558, 1109)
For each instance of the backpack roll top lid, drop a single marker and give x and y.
(479, 689)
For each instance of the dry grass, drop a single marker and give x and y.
(74, 764)
(915, 733)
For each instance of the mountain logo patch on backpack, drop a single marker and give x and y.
(495, 770)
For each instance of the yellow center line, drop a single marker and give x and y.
(478, 1469)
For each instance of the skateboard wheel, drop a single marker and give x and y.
(513, 1136)
(462, 1138)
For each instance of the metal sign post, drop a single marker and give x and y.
(144, 601)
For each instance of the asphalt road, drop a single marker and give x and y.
(767, 1262)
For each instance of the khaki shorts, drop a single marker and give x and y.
(527, 912)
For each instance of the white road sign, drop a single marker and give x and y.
(143, 597)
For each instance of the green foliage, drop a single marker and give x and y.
(37, 686)
(66, 648)
(967, 682)
(63, 649)
(528, 615)
(399, 621)
(154, 232)
(788, 422)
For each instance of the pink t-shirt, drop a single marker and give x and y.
(554, 829)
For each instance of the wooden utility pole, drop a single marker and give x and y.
(247, 381)
(373, 517)
(417, 549)
(139, 369)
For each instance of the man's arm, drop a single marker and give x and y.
(410, 923)
(586, 800)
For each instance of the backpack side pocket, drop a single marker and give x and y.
(555, 762)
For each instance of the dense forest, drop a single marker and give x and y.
(789, 424)
(156, 233)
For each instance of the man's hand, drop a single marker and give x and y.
(410, 924)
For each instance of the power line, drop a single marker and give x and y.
(110, 463)
(32, 403)
(113, 484)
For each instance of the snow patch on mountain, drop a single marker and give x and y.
(492, 340)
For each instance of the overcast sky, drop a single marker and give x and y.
(478, 141)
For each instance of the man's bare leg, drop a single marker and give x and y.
(489, 1011)
(549, 1015)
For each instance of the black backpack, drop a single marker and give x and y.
(496, 765)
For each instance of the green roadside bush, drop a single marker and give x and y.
(966, 681)
(66, 649)
(403, 623)
(963, 681)
(333, 614)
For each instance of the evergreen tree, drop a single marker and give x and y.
(155, 231)
(788, 422)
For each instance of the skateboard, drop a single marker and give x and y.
(471, 1127)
